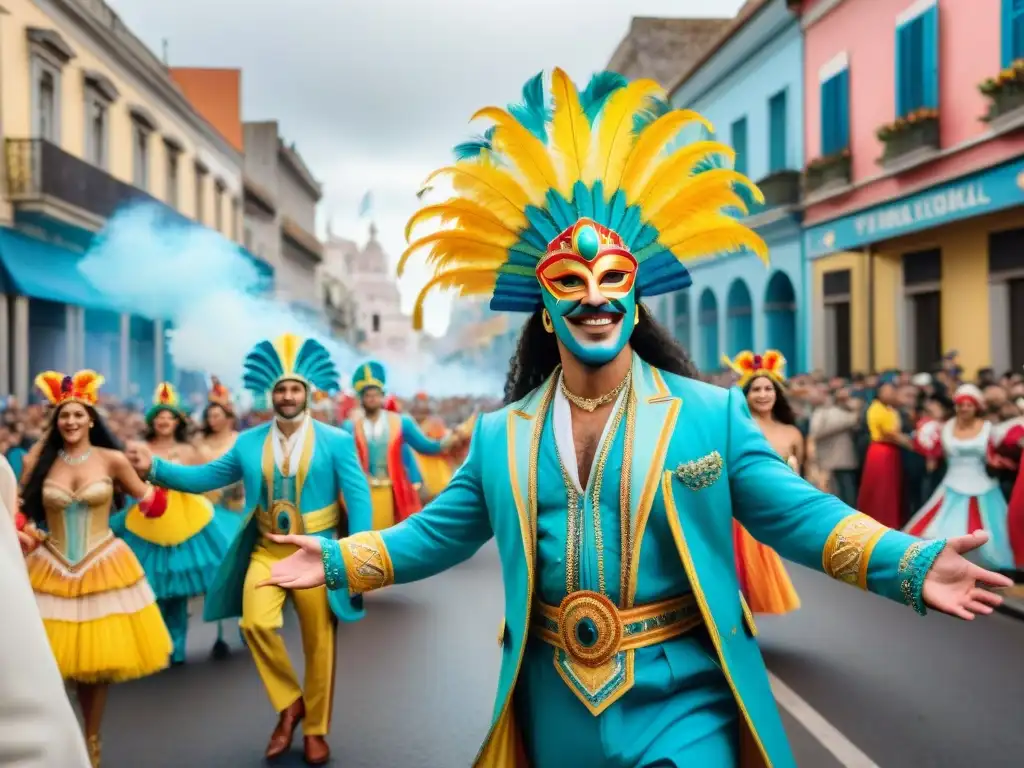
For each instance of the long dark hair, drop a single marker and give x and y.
(536, 355)
(206, 429)
(180, 429)
(32, 493)
(782, 411)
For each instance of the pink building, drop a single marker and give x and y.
(915, 181)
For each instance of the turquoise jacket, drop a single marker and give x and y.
(698, 459)
(329, 474)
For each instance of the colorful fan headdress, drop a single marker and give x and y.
(166, 399)
(289, 358)
(369, 374)
(749, 366)
(83, 387)
(597, 171)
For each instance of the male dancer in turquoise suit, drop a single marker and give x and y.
(385, 442)
(612, 478)
(301, 476)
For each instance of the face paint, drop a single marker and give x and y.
(588, 279)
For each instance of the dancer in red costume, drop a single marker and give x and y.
(881, 485)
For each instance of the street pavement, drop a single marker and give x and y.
(416, 682)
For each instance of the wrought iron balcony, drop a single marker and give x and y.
(41, 173)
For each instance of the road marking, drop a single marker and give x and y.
(842, 749)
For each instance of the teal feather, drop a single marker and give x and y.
(543, 223)
(534, 112)
(601, 86)
(561, 210)
(653, 109)
(583, 200)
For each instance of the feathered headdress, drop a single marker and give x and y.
(611, 155)
(289, 358)
(165, 399)
(750, 366)
(58, 389)
(220, 395)
(369, 374)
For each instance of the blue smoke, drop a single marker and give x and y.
(219, 303)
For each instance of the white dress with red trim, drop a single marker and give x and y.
(967, 500)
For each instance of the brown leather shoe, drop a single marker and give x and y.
(281, 738)
(316, 750)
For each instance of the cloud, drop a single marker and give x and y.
(375, 94)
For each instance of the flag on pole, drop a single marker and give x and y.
(366, 205)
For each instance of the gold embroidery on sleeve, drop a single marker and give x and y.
(367, 563)
(848, 549)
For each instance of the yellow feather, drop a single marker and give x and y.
(487, 185)
(615, 136)
(651, 143)
(287, 345)
(710, 236)
(707, 192)
(468, 282)
(570, 131)
(664, 181)
(448, 242)
(464, 214)
(528, 153)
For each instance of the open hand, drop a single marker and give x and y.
(955, 585)
(139, 456)
(303, 569)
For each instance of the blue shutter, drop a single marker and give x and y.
(1012, 31)
(901, 71)
(777, 132)
(739, 143)
(929, 24)
(828, 117)
(842, 110)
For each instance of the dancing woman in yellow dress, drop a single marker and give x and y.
(99, 610)
(763, 577)
(217, 437)
(182, 549)
(436, 471)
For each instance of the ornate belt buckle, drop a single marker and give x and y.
(590, 627)
(283, 515)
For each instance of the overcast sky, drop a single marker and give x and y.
(376, 92)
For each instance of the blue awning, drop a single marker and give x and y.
(42, 270)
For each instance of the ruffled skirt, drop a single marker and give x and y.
(762, 575)
(949, 513)
(101, 615)
(182, 549)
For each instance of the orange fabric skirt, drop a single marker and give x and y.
(762, 575)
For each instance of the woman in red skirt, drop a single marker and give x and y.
(881, 484)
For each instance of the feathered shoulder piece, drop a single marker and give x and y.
(749, 366)
(613, 154)
(83, 387)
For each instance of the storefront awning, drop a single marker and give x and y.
(42, 270)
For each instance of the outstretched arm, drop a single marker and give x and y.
(448, 531)
(355, 495)
(418, 441)
(819, 531)
(200, 478)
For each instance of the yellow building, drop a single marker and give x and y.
(92, 121)
(902, 284)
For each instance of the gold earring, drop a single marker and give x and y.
(545, 318)
(91, 425)
(636, 320)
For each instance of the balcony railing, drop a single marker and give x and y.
(37, 170)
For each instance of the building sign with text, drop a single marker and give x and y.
(985, 192)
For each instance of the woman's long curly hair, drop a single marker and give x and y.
(536, 355)
(32, 493)
(782, 411)
(180, 427)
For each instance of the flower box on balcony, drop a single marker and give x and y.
(828, 172)
(1005, 92)
(780, 188)
(915, 133)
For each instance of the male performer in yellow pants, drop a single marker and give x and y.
(300, 476)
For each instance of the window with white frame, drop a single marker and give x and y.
(834, 85)
(140, 155)
(49, 53)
